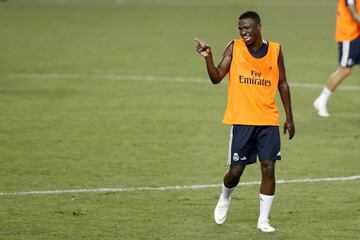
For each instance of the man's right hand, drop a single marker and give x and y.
(202, 47)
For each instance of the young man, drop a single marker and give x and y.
(256, 70)
(348, 39)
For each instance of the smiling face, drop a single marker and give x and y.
(250, 31)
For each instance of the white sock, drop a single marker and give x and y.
(325, 94)
(265, 206)
(226, 192)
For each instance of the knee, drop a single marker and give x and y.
(268, 168)
(232, 177)
(236, 171)
(345, 72)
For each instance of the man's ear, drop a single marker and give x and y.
(259, 26)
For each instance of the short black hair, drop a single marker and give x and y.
(251, 14)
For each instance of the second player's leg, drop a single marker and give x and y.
(337, 77)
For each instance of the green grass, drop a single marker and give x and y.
(98, 94)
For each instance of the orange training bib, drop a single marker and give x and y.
(252, 87)
(347, 28)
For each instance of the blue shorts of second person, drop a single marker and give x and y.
(349, 53)
(249, 142)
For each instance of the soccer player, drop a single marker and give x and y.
(256, 70)
(348, 39)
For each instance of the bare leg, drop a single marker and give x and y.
(232, 177)
(268, 177)
(267, 190)
(231, 180)
(337, 77)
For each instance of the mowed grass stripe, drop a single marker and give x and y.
(166, 188)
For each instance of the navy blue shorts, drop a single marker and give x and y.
(349, 53)
(249, 142)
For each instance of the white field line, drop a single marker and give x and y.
(114, 77)
(166, 188)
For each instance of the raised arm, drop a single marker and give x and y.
(284, 91)
(216, 74)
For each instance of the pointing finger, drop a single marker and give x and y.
(202, 43)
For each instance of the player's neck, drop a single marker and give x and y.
(259, 52)
(255, 46)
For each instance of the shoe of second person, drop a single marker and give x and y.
(321, 108)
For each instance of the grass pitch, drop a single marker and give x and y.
(111, 94)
